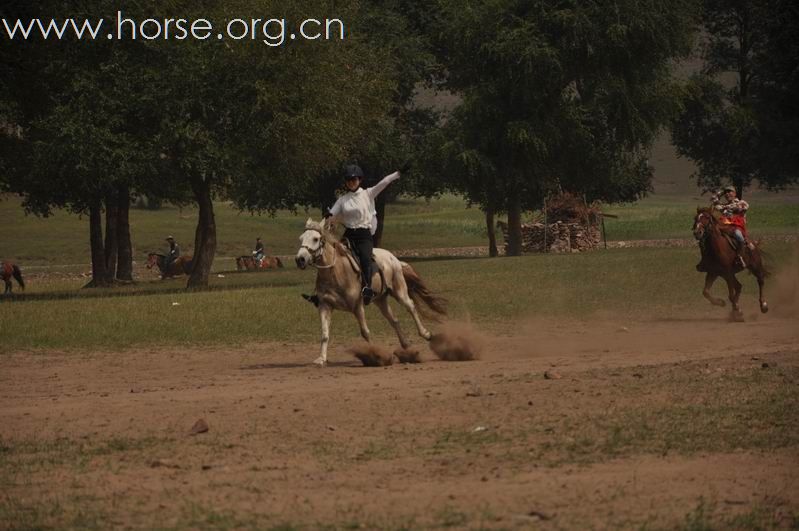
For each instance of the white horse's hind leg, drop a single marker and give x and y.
(360, 314)
(385, 309)
(401, 294)
(324, 315)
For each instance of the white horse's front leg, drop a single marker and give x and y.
(324, 315)
(360, 315)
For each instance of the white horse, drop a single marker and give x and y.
(338, 284)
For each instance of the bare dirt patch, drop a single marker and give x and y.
(657, 423)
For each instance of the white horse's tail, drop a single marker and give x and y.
(419, 292)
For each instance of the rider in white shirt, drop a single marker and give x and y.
(356, 210)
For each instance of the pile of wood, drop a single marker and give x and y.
(572, 209)
(558, 237)
(571, 226)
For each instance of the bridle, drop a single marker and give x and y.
(317, 253)
(700, 228)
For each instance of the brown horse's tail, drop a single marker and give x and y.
(18, 275)
(240, 263)
(419, 292)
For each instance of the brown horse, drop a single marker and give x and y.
(719, 260)
(8, 270)
(248, 263)
(181, 265)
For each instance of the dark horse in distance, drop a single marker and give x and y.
(8, 270)
(719, 260)
(181, 265)
(249, 263)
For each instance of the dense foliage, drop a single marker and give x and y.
(556, 96)
(740, 121)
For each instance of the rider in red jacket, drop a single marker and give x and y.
(733, 213)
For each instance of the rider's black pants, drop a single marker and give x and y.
(362, 245)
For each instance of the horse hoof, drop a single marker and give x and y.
(737, 317)
(764, 307)
(320, 362)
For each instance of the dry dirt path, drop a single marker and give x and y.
(643, 423)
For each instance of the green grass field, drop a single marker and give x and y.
(253, 307)
(670, 217)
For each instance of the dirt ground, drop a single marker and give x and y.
(561, 425)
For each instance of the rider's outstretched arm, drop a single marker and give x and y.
(375, 190)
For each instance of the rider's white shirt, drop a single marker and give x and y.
(356, 210)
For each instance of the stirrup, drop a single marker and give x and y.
(368, 294)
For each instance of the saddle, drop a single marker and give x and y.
(727, 230)
(355, 263)
(730, 239)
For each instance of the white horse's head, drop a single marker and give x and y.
(312, 243)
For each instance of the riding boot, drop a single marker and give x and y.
(366, 292)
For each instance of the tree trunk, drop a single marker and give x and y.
(125, 249)
(380, 208)
(99, 276)
(111, 241)
(738, 183)
(326, 191)
(492, 233)
(204, 236)
(514, 227)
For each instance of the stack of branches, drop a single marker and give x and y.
(570, 208)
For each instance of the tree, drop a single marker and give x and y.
(739, 121)
(204, 119)
(557, 95)
(83, 138)
(391, 33)
(258, 125)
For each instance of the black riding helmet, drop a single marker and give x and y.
(353, 170)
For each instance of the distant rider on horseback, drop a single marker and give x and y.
(258, 253)
(173, 253)
(356, 210)
(733, 214)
